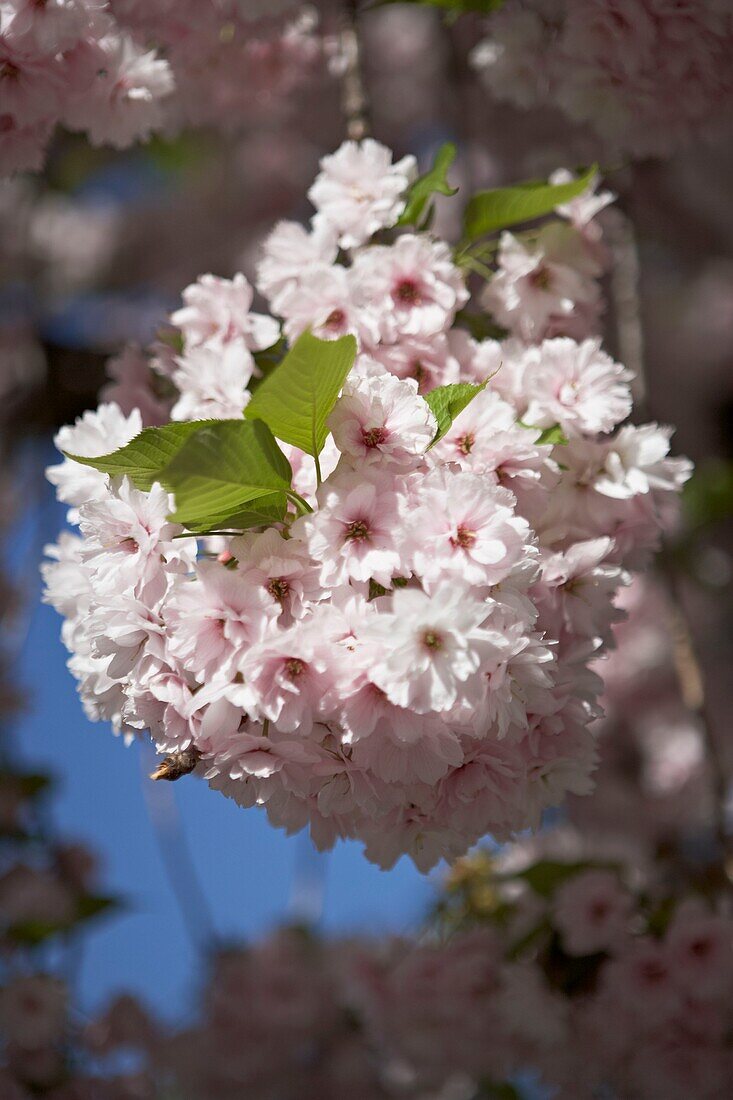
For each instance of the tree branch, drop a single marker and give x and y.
(354, 99)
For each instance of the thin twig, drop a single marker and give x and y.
(354, 99)
(624, 280)
(688, 668)
(691, 680)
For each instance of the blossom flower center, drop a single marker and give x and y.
(8, 71)
(407, 292)
(372, 437)
(540, 279)
(653, 972)
(357, 530)
(599, 911)
(464, 537)
(278, 588)
(432, 640)
(335, 319)
(231, 332)
(419, 373)
(294, 668)
(466, 442)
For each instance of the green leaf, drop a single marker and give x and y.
(262, 512)
(90, 905)
(224, 466)
(296, 399)
(27, 784)
(266, 361)
(145, 457)
(30, 933)
(708, 495)
(554, 435)
(434, 182)
(446, 402)
(489, 211)
(660, 917)
(480, 325)
(497, 1090)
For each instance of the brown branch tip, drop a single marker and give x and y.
(176, 765)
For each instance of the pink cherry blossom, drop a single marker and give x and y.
(218, 312)
(381, 419)
(125, 101)
(93, 434)
(545, 288)
(212, 382)
(290, 254)
(360, 190)
(414, 282)
(465, 529)
(576, 386)
(428, 650)
(129, 542)
(354, 533)
(592, 912)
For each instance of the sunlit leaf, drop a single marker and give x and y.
(223, 467)
(446, 402)
(296, 398)
(502, 207)
(434, 182)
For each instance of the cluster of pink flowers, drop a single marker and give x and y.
(120, 70)
(409, 662)
(645, 74)
(582, 985)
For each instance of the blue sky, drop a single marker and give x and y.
(251, 876)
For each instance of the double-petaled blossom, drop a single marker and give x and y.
(360, 190)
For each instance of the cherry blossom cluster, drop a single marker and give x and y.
(647, 75)
(407, 661)
(601, 982)
(583, 985)
(121, 70)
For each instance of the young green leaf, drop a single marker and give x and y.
(480, 325)
(262, 512)
(145, 457)
(708, 495)
(446, 402)
(296, 399)
(489, 211)
(221, 468)
(493, 1090)
(553, 435)
(434, 182)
